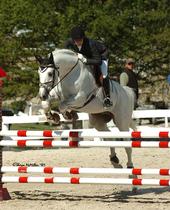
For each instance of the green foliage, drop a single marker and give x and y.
(138, 28)
(29, 126)
(18, 106)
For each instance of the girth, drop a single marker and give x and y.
(87, 102)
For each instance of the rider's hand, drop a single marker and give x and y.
(82, 58)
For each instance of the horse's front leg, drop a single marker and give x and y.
(46, 106)
(114, 159)
(70, 115)
(51, 116)
(63, 106)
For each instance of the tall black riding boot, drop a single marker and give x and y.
(106, 87)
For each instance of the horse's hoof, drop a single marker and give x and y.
(53, 117)
(56, 118)
(67, 115)
(116, 165)
(70, 115)
(115, 162)
(132, 176)
(130, 166)
(74, 115)
(114, 159)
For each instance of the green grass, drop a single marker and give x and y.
(39, 126)
(33, 126)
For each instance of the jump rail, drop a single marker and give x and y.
(77, 180)
(52, 170)
(4, 195)
(73, 144)
(87, 134)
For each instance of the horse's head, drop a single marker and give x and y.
(47, 74)
(59, 64)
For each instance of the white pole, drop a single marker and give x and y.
(76, 180)
(73, 144)
(88, 134)
(52, 170)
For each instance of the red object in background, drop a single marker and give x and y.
(2, 73)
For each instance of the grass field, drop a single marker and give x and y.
(33, 126)
(41, 126)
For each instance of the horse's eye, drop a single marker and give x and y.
(50, 74)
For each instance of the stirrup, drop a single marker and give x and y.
(107, 103)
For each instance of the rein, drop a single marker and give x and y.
(66, 74)
(52, 81)
(53, 85)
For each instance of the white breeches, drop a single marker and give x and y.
(104, 68)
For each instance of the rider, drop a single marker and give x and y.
(91, 52)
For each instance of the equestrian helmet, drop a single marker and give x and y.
(77, 33)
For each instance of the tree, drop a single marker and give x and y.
(135, 28)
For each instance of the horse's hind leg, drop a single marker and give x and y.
(113, 157)
(129, 150)
(129, 157)
(101, 125)
(133, 125)
(122, 125)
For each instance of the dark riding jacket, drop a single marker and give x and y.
(91, 49)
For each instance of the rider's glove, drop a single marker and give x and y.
(82, 58)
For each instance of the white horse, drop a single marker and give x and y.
(65, 78)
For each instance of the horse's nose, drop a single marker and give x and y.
(43, 94)
(43, 97)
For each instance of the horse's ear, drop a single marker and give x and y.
(51, 59)
(39, 58)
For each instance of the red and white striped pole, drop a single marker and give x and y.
(4, 195)
(74, 144)
(87, 134)
(76, 170)
(77, 180)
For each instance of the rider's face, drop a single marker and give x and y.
(129, 66)
(78, 42)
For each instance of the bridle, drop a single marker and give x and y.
(65, 74)
(48, 86)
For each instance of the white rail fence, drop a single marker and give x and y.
(137, 114)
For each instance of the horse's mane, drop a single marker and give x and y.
(67, 51)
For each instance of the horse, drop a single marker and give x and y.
(65, 78)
